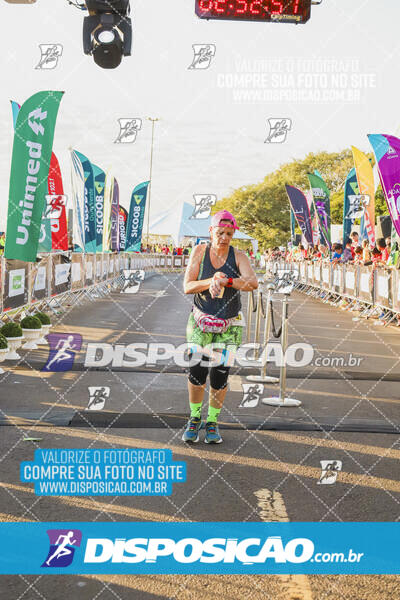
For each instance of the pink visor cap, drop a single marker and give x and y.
(223, 215)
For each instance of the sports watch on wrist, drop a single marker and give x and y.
(230, 282)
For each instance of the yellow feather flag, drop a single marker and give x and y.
(366, 186)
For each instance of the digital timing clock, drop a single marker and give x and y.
(284, 11)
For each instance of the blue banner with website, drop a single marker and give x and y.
(196, 548)
(75, 472)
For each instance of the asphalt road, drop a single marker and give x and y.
(267, 469)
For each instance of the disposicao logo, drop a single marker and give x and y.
(116, 554)
(63, 543)
(192, 550)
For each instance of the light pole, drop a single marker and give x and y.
(153, 121)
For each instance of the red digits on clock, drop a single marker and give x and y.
(206, 5)
(278, 10)
(296, 7)
(218, 8)
(243, 5)
(256, 7)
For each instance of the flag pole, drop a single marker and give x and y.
(153, 121)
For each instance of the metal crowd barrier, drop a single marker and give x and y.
(269, 293)
(355, 287)
(70, 278)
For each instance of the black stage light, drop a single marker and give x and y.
(107, 32)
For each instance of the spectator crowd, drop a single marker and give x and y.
(382, 255)
(352, 251)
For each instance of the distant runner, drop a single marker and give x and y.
(215, 275)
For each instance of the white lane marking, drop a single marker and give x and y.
(272, 509)
(235, 383)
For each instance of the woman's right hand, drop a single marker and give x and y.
(215, 288)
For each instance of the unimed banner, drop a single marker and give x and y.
(39, 279)
(90, 260)
(53, 231)
(15, 284)
(59, 232)
(78, 271)
(61, 274)
(99, 267)
(105, 264)
(33, 141)
(111, 266)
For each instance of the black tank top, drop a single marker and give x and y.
(229, 305)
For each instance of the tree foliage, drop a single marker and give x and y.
(262, 210)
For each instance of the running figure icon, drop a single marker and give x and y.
(62, 351)
(251, 395)
(97, 397)
(203, 55)
(330, 470)
(62, 549)
(62, 347)
(63, 545)
(203, 204)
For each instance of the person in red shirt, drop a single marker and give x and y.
(316, 253)
(381, 245)
(303, 251)
(376, 256)
(354, 241)
(358, 256)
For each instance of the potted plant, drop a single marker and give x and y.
(32, 330)
(46, 325)
(13, 334)
(3, 350)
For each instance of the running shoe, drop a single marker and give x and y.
(191, 433)
(212, 434)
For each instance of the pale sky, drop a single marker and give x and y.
(214, 122)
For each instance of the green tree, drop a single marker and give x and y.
(380, 202)
(337, 200)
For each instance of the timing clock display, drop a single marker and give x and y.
(286, 11)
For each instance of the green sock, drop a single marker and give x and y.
(195, 409)
(213, 414)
